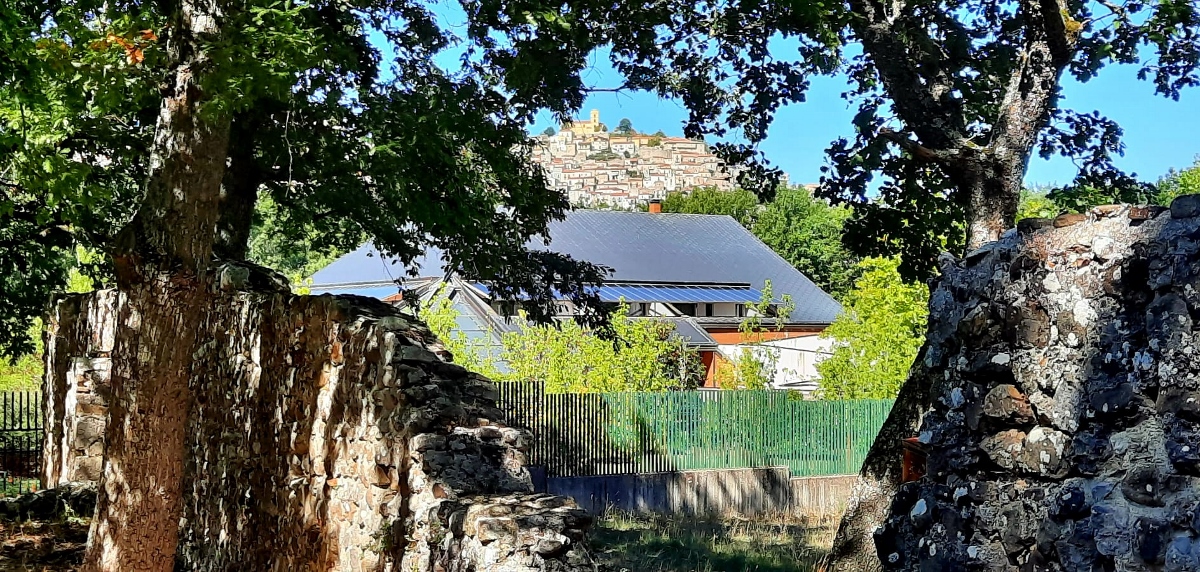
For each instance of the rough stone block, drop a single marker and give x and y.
(320, 401)
(1186, 206)
(1007, 403)
(1079, 449)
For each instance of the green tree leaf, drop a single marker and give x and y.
(878, 336)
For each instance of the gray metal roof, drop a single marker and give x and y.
(639, 247)
(482, 328)
(689, 330)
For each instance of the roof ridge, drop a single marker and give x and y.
(644, 213)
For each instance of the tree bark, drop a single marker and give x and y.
(991, 179)
(991, 186)
(988, 177)
(854, 545)
(161, 260)
(239, 193)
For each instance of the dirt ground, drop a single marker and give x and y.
(621, 542)
(42, 546)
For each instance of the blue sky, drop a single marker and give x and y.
(1159, 133)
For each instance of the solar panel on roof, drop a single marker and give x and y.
(681, 294)
(668, 294)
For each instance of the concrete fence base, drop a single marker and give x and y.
(742, 492)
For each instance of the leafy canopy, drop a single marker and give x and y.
(1080, 197)
(953, 96)
(353, 138)
(643, 355)
(807, 232)
(343, 140)
(878, 336)
(740, 204)
(636, 355)
(1177, 183)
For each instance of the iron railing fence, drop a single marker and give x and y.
(20, 441)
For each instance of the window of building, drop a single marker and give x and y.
(686, 309)
(708, 309)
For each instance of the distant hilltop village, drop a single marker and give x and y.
(624, 168)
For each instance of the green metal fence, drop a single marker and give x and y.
(588, 434)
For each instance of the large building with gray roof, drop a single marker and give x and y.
(697, 271)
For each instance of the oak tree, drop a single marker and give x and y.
(953, 97)
(147, 132)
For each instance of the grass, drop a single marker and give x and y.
(678, 543)
(17, 486)
(24, 375)
(622, 542)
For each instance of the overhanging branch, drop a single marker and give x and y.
(916, 149)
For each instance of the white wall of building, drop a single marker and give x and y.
(795, 359)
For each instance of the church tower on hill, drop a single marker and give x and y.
(584, 127)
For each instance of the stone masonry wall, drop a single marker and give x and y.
(328, 433)
(1065, 427)
(78, 362)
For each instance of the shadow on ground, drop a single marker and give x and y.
(42, 546)
(679, 543)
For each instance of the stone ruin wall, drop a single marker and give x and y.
(339, 439)
(1063, 432)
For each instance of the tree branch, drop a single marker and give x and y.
(1061, 31)
(914, 72)
(1118, 11)
(917, 150)
(11, 185)
(1032, 91)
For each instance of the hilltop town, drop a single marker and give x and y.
(624, 168)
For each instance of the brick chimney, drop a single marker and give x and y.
(655, 205)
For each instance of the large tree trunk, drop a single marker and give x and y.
(871, 497)
(140, 500)
(988, 178)
(161, 260)
(239, 193)
(991, 186)
(326, 435)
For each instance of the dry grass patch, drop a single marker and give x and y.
(680, 543)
